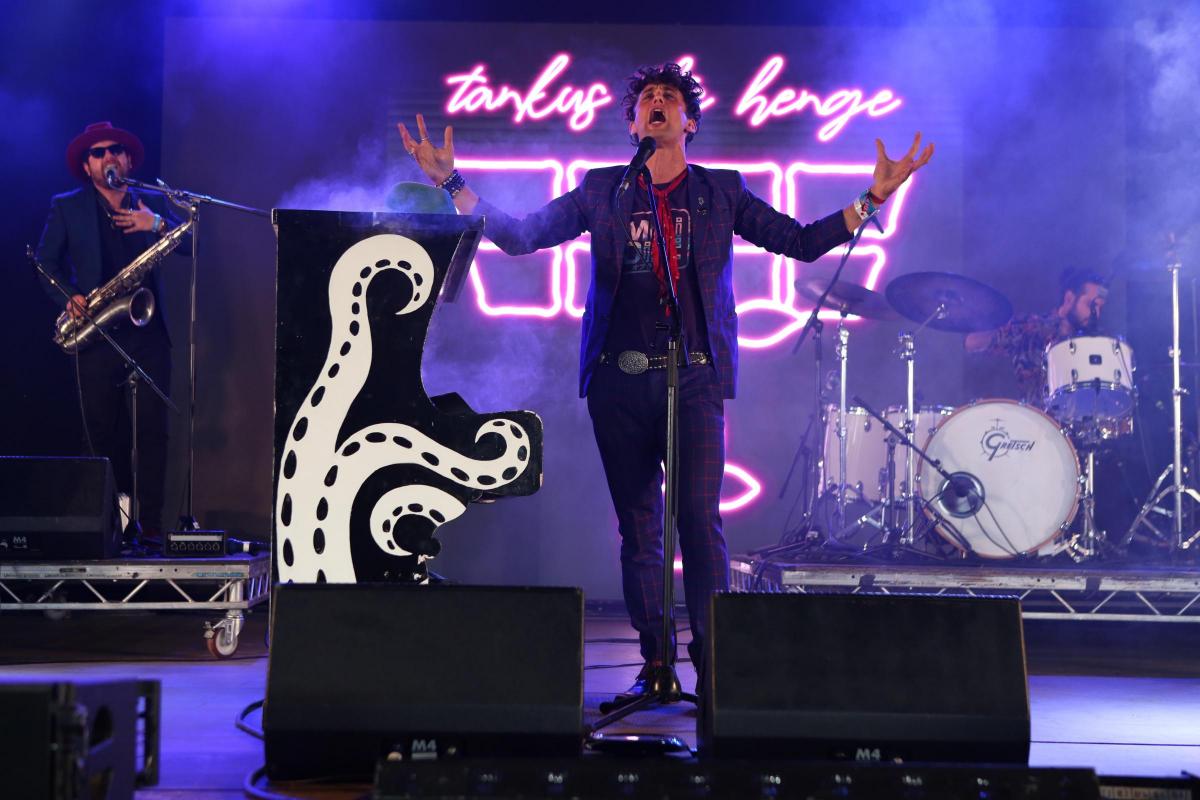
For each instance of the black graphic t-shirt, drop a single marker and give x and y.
(637, 309)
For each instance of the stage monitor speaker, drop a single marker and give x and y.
(79, 739)
(357, 672)
(57, 508)
(866, 677)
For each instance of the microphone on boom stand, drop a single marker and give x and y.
(111, 177)
(645, 149)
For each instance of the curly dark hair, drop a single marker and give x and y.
(669, 74)
(1073, 279)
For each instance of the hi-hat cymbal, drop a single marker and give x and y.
(846, 297)
(949, 302)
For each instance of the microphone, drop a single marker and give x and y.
(645, 149)
(111, 178)
(962, 495)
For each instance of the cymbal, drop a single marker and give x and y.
(955, 302)
(847, 297)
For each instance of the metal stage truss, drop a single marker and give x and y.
(232, 584)
(1110, 594)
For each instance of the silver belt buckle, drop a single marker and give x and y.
(631, 362)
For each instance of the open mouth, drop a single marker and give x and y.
(657, 116)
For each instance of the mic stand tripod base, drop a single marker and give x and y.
(663, 690)
(131, 535)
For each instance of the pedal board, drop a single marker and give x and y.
(194, 544)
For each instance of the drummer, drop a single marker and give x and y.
(1024, 339)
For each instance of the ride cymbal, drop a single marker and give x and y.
(948, 302)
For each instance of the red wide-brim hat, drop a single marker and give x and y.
(100, 132)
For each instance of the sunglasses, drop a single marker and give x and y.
(98, 152)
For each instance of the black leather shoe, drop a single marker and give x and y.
(649, 681)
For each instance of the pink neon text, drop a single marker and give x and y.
(473, 94)
(842, 105)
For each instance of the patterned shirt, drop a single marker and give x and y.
(1024, 341)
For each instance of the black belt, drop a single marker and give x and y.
(633, 362)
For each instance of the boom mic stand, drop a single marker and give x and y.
(132, 532)
(191, 202)
(968, 491)
(665, 686)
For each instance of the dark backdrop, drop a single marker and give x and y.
(1063, 138)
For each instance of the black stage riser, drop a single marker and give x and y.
(866, 678)
(57, 508)
(358, 671)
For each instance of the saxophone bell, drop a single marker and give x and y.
(141, 307)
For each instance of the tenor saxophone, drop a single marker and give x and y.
(122, 299)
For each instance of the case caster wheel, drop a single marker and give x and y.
(222, 638)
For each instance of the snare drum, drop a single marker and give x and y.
(1089, 378)
(1026, 467)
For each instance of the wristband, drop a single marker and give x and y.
(453, 183)
(158, 224)
(864, 208)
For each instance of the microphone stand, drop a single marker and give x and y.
(191, 202)
(133, 529)
(973, 496)
(665, 686)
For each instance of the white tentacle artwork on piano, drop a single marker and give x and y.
(320, 475)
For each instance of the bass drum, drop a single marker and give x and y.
(1021, 464)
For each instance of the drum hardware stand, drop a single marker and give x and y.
(1177, 489)
(966, 485)
(132, 533)
(191, 202)
(1090, 540)
(908, 354)
(665, 686)
(814, 323)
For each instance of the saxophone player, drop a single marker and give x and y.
(91, 233)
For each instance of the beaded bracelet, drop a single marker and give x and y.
(453, 183)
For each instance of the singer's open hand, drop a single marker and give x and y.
(889, 175)
(436, 162)
(134, 220)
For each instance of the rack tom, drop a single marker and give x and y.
(1089, 379)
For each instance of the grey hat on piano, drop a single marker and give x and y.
(408, 197)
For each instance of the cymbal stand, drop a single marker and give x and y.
(842, 352)
(908, 354)
(815, 325)
(1177, 489)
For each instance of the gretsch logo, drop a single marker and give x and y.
(997, 443)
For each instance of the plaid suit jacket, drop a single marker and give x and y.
(720, 206)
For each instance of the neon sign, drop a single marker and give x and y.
(777, 311)
(842, 105)
(473, 93)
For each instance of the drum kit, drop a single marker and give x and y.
(995, 479)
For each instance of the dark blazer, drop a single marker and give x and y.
(720, 206)
(70, 245)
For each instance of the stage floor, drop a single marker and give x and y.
(1123, 698)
